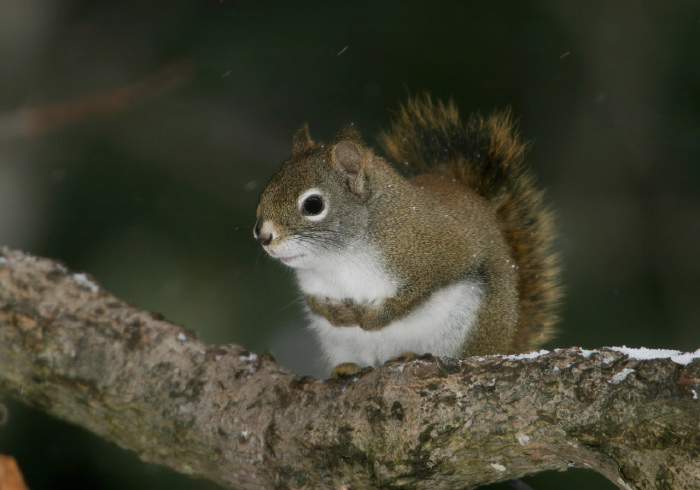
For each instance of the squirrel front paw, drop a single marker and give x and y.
(347, 313)
(344, 314)
(374, 318)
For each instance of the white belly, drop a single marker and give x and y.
(439, 327)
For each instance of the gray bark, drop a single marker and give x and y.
(241, 420)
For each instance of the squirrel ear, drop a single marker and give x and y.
(347, 158)
(302, 140)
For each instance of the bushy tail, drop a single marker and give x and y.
(486, 154)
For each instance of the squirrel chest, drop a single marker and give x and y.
(431, 263)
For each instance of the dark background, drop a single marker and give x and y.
(157, 200)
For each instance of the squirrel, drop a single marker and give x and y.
(447, 253)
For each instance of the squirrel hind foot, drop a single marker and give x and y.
(348, 370)
(405, 356)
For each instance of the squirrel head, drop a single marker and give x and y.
(315, 204)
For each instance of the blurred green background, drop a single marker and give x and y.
(157, 200)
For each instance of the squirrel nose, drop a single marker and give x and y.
(264, 238)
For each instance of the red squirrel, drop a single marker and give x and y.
(448, 251)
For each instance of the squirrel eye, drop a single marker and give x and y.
(312, 206)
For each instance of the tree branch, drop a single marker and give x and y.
(239, 419)
(37, 121)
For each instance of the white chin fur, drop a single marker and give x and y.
(356, 272)
(291, 253)
(436, 327)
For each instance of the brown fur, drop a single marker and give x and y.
(486, 155)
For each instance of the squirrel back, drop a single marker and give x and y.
(486, 155)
